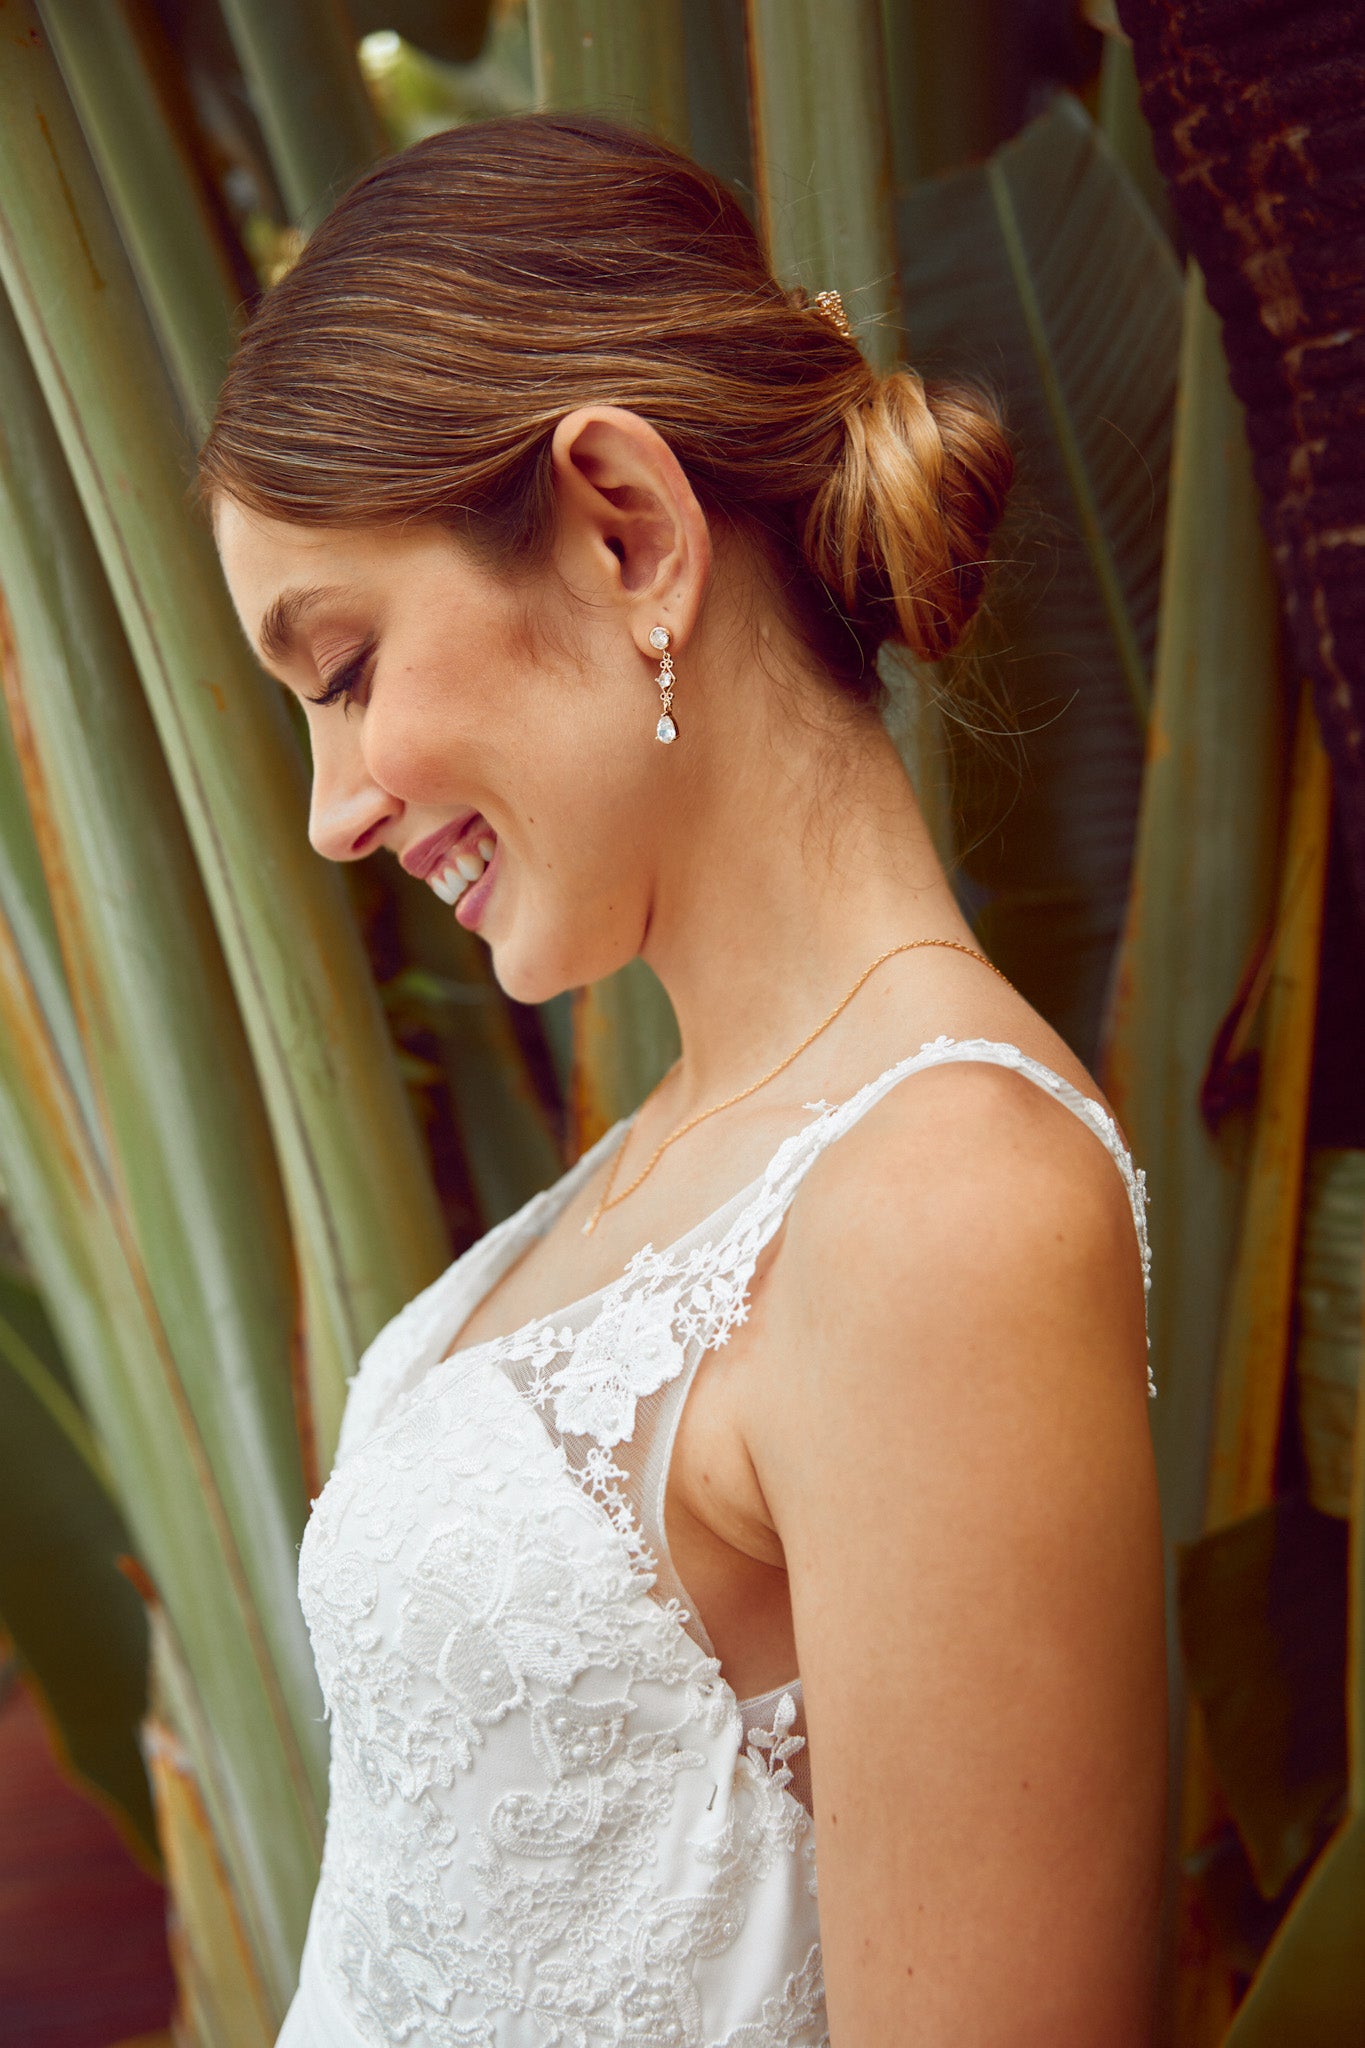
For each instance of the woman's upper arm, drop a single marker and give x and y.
(961, 1475)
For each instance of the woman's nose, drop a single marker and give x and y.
(348, 811)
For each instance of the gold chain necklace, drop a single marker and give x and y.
(609, 1201)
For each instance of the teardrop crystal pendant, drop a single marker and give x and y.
(659, 640)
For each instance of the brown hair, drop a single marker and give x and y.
(469, 292)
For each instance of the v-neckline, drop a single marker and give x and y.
(540, 1219)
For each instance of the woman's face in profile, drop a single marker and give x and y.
(470, 713)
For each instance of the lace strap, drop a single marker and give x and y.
(798, 1154)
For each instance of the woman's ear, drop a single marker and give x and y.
(631, 531)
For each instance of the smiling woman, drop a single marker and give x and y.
(644, 1575)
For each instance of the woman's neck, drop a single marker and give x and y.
(805, 857)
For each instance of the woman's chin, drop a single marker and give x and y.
(527, 974)
(535, 970)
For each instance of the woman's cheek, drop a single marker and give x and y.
(406, 756)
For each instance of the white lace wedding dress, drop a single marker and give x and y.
(552, 1824)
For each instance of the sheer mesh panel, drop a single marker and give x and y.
(630, 1479)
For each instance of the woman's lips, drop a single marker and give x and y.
(470, 907)
(439, 849)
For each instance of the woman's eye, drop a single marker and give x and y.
(346, 680)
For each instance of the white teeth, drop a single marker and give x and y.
(456, 876)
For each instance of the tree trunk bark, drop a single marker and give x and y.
(1257, 111)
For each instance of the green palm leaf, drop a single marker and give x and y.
(74, 1618)
(25, 903)
(195, 1171)
(1201, 899)
(1310, 1988)
(1202, 896)
(153, 187)
(154, 1004)
(1044, 273)
(615, 57)
(822, 157)
(86, 1263)
(320, 125)
(365, 1220)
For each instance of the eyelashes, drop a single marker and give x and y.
(347, 679)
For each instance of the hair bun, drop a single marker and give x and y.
(900, 529)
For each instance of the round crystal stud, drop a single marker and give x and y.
(666, 729)
(659, 639)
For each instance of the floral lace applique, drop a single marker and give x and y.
(786, 2020)
(627, 1351)
(769, 1748)
(543, 1819)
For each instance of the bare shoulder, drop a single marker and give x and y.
(961, 1269)
(968, 1183)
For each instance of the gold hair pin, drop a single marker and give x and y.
(832, 307)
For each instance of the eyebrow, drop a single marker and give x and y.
(282, 618)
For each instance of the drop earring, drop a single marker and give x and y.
(659, 640)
